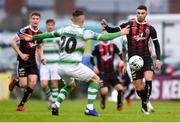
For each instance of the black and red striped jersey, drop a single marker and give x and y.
(139, 37)
(105, 54)
(28, 47)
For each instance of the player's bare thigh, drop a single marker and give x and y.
(23, 82)
(148, 75)
(95, 79)
(138, 84)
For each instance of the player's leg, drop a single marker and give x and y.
(104, 92)
(93, 88)
(64, 92)
(55, 77)
(148, 75)
(54, 89)
(32, 73)
(131, 91)
(21, 82)
(28, 91)
(120, 89)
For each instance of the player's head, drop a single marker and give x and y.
(141, 13)
(50, 25)
(34, 19)
(78, 17)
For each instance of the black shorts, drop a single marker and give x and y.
(109, 79)
(24, 71)
(148, 66)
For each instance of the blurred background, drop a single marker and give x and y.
(164, 15)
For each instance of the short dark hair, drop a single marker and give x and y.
(77, 13)
(50, 21)
(35, 13)
(142, 7)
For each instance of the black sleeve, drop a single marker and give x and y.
(153, 35)
(112, 29)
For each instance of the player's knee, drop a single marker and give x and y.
(95, 79)
(32, 84)
(139, 85)
(119, 87)
(44, 84)
(104, 91)
(22, 84)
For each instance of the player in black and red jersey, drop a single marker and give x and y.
(138, 38)
(105, 53)
(27, 65)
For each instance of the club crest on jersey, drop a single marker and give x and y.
(32, 44)
(106, 57)
(139, 37)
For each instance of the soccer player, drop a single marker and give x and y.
(70, 67)
(26, 59)
(138, 38)
(105, 52)
(49, 72)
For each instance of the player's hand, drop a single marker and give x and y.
(158, 64)
(43, 61)
(103, 23)
(26, 37)
(125, 31)
(24, 57)
(96, 70)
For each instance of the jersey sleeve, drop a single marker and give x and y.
(153, 35)
(123, 25)
(20, 32)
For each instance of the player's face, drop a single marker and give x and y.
(50, 26)
(81, 20)
(141, 15)
(34, 21)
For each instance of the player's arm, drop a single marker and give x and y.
(16, 48)
(104, 37)
(107, 28)
(40, 53)
(153, 35)
(93, 54)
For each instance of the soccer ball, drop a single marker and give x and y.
(136, 62)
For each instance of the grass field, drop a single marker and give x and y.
(73, 111)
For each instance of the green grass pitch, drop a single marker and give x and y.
(73, 111)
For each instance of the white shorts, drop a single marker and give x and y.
(49, 72)
(78, 72)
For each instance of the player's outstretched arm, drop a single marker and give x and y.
(110, 36)
(27, 37)
(107, 28)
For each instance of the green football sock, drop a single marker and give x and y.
(92, 93)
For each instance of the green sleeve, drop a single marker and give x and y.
(109, 36)
(46, 35)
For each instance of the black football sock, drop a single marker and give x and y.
(120, 97)
(148, 88)
(27, 94)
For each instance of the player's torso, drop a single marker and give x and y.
(138, 39)
(51, 48)
(105, 57)
(29, 47)
(71, 48)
